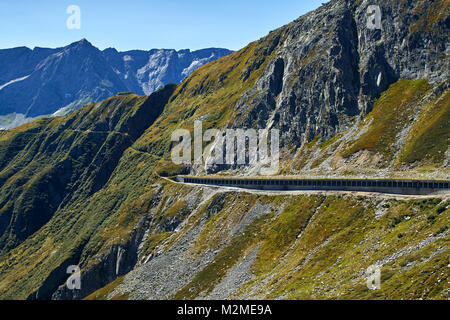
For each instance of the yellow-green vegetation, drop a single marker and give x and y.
(167, 168)
(390, 114)
(212, 92)
(305, 152)
(324, 145)
(102, 294)
(299, 241)
(344, 238)
(438, 10)
(319, 247)
(429, 137)
(76, 157)
(408, 128)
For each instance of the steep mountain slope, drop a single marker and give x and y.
(249, 246)
(318, 99)
(137, 235)
(20, 62)
(54, 161)
(42, 81)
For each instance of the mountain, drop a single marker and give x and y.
(144, 72)
(20, 62)
(91, 188)
(44, 81)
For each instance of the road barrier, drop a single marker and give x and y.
(415, 187)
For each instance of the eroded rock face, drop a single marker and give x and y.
(329, 67)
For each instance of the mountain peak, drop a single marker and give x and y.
(81, 43)
(84, 41)
(104, 73)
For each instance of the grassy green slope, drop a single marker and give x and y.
(405, 106)
(317, 247)
(429, 138)
(390, 114)
(66, 159)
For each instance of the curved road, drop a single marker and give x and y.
(407, 187)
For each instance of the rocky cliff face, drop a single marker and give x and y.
(330, 67)
(44, 81)
(348, 101)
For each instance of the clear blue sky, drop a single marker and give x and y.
(146, 24)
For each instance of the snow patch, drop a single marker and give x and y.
(13, 81)
(127, 58)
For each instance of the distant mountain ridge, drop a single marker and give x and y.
(43, 81)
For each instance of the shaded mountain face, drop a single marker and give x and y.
(87, 189)
(17, 63)
(42, 81)
(81, 151)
